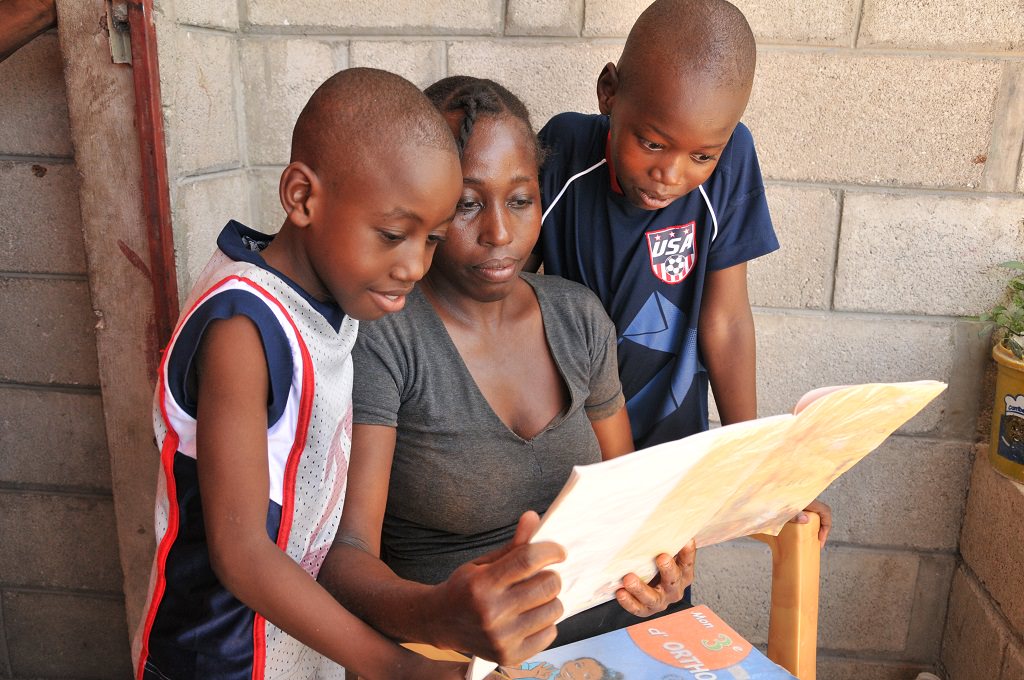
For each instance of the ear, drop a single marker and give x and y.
(299, 185)
(607, 86)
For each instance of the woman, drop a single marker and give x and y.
(471, 407)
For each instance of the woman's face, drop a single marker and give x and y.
(497, 220)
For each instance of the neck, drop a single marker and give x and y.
(286, 254)
(456, 308)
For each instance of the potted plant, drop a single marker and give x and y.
(1006, 450)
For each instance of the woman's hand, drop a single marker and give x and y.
(674, 575)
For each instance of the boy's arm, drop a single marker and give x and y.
(233, 479)
(726, 336)
(725, 332)
(501, 606)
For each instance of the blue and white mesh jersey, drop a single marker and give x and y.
(194, 627)
(648, 267)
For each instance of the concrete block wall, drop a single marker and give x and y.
(983, 637)
(890, 139)
(61, 606)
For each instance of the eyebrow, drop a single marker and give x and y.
(401, 214)
(518, 179)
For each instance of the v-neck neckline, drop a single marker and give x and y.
(467, 375)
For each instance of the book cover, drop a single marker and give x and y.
(693, 644)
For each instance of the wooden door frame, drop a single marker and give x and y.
(117, 133)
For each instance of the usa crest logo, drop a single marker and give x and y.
(672, 252)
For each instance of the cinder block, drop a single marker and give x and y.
(928, 613)
(839, 668)
(866, 600)
(52, 635)
(201, 209)
(263, 184)
(919, 254)
(785, 21)
(421, 62)
(800, 273)
(279, 76)
(793, 21)
(544, 17)
(403, 16)
(612, 18)
(53, 438)
(59, 541)
(549, 78)
(734, 580)
(199, 101)
(800, 351)
(48, 333)
(40, 202)
(909, 493)
(840, 117)
(1013, 664)
(975, 639)
(34, 108)
(990, 541)
(209, 13)
(993, 25)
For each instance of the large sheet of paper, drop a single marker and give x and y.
(615, 517)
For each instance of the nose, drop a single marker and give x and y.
(494, 229)
(414, 263)
(671, 171)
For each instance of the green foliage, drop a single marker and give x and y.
(1008, 317)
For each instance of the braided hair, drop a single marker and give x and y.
(476, 97)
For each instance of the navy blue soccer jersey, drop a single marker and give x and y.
(649, 267)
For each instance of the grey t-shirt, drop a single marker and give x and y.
(460, 477)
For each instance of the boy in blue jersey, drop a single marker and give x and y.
(657, 205)
(253, 408)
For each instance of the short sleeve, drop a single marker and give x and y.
(378, 381)
(737, 196)
(605, 388)
(181, 378)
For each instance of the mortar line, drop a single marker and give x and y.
(858, 20)
(5, 654)
(900, 317)
(328, 33)
(1004, 150)
(29, 489)
(84, 390)
(835, 253)
(29, 158)
(55, 590)
(943, 192)
(49, 276)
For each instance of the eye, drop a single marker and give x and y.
(390, 236)
(649, 145)
(467, 205)
(435, 239)
(520, 202)
(703, 157)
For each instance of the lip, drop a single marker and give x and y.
(390, 300)
(653, 201)
(498, 269)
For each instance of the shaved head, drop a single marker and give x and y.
(362, 114)
(709, 40)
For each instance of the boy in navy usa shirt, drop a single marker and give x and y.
(657, 205)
